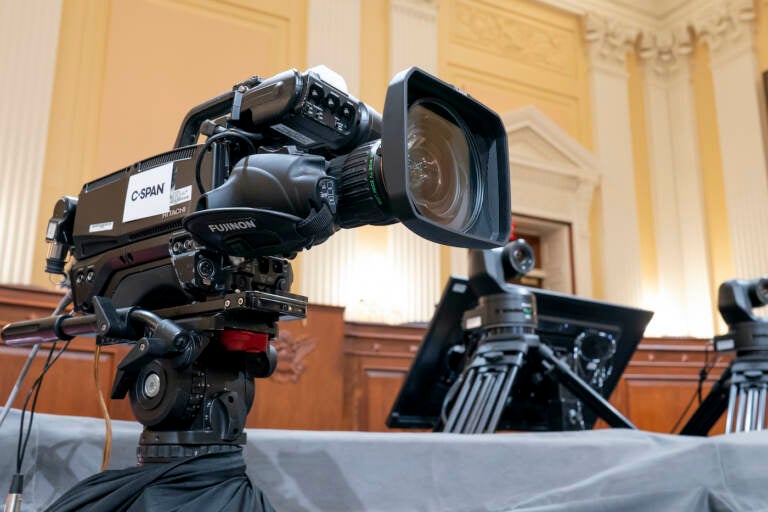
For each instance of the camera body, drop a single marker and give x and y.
(287, 162)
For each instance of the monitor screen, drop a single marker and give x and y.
(538, 402)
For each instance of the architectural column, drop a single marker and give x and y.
(682, 302)
(609, 42)
(29, 33)
(415, 262)
(413, 35)
(325, 269)
(333, 38)
(729, 33)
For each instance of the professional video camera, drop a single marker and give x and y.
(185, 254)
(500, 356)
(743, 386)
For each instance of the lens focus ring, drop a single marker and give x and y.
(361, 194)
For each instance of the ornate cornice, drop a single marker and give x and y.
(609, 39)
(726, 25)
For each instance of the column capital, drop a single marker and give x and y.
(609, 40)
(727, 28)
(666, 51)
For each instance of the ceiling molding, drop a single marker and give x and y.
(650, 15)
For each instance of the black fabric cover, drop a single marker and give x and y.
(207, 482)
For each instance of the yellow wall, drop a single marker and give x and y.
(762, 34)
(128, 71)
(513, 53)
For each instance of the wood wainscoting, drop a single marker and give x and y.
(336, 375)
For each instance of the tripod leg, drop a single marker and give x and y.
(741, 411)
(582, 390)
(713, 406)
(474, 425)
(458, 407)
(761, 408)
(495, 394)
(505, 391)
(731, 407)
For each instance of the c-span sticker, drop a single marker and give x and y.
(149, 193)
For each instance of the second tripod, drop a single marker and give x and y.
(502, 341)
(742, 389)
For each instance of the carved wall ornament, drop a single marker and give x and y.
(501, 33)
(665, 50)
(290, 354)
(727, 22)
(608, 38)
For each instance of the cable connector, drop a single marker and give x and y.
(13, 501)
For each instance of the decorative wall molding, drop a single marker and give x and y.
(667, 29)
(609, 40)
(291, 351)
(510, 37)
(726, 27)
(554, 177)
(665, 50)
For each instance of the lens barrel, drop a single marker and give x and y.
(362, 197)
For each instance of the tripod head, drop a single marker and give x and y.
(736, 299)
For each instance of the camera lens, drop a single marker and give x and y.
(443, 178)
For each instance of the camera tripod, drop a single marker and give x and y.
(502, 328)
(190, 378)
(742, 389)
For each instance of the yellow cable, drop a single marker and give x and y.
(105, 412)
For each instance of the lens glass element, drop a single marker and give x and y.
(443, 175)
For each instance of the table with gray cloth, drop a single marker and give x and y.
(602, 470)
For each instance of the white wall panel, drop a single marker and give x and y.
(29, 32)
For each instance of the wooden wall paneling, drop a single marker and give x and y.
(337, 375)
(656, 403)
(662, 378)
(307, 389)
(382, 379)
(378, 359)
(68, 387)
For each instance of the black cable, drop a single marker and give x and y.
(703, 374)
(229, 134)
(33, 393)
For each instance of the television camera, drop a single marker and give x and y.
(186, 254)
(500, 356)
(743, 386)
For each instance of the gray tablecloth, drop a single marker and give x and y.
(604, 470)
